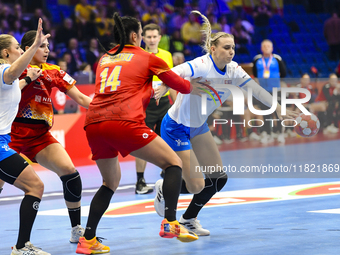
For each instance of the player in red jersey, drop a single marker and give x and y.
(115, 123)
(30, 130)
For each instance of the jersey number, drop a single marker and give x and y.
(111, 81)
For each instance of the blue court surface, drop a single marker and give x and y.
(285, 211)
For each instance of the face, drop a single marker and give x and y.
(151, 39)
(14, 51)
(305, 80)
(224, 52)
(42, 54)
(333, 80)
(267, 47)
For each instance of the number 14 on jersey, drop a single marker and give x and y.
(110, 80)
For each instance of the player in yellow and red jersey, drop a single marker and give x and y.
(30, 130)
(115, 123)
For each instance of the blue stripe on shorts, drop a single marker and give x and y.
(178, 136)
(5, 150)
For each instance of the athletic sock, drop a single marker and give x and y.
(74, 214)
(140, 175)
(28, 211)
(99, 204)
(171, 189)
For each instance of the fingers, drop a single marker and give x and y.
(157, 101)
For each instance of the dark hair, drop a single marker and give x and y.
(28, 39)
(122, 29)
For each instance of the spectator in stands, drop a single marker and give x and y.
(331, 31)
(17, 32)
(65, 33)
(241, 37)
(268, 68)
(215, 27)
(38, 13)
(176, 42)
(76, 56)
(85, 14)
(262, 14)
(103, 26)
(179, 19)
(190, 31)
(224, 24)
(6, 14)
(18, 16)
(154, 15)
(92, 53)
(4, 27)
(329, 96)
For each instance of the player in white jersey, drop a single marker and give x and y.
(185, 128)
(13, 168)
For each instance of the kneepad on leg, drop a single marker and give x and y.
(72, 187)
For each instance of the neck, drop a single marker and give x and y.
(155, 50)
(36, 64)
(267, 55)
(220, 65)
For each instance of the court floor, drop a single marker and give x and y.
(281, 207)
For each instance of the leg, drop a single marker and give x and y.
(16, 171)
(141, 187)
(207, 155)
(50, 157)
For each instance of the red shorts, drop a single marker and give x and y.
(107, 138)
(29, 139)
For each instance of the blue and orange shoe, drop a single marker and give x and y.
(92, 246)
(174, 229)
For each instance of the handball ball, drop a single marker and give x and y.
(307, 125)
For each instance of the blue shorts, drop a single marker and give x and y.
(178, 136)
(5, 150)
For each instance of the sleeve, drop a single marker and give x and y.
(63, 81)
(3, 68)
(194, 68)
(325, 90)
(160, 68)
(282, 68)
(254, 68)
(259, 93)
(244, 81)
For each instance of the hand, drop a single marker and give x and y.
(40, 37)
(289, 114)
(160, 91)
(199, 87)
(34, 73)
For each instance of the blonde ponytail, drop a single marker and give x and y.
(208, 41)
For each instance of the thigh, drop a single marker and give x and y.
(110, 171)
(207, 153)
(158, 152)
(55, 158)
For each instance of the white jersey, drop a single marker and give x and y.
(187, 109)
(10, 95)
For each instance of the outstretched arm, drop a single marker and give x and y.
(18, 66)
(79, 97)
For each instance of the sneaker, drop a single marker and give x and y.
(194, 226)
(142, 188)
(92, 246)
(76, 233)
(29, 249)
(159, 203)
(254, 137)
(174, 229)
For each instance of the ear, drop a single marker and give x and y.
(27, 47)
(133, 37)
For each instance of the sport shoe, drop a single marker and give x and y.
(142, 188)
(159, 203)
(29, 249)
(76, 232)
(92, 246)
(174, 229)
(195, 226)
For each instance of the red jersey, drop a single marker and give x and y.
(36, 100)
(123, 85)
(325, 94)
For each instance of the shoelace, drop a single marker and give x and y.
(100, 239)
(31, 247)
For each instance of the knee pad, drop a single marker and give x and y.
(72, 187)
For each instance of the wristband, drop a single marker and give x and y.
(28, 79)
